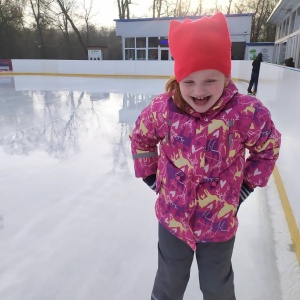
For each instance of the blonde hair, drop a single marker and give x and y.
(173, 89)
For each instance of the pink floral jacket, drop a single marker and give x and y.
(200, 161)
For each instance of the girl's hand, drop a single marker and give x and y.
(151, 181)
(245, 192)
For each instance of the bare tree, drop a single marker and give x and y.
(156, 8)
(87, 16)
(163, 8)
(63, 25)
(56, 32)
(40, 12)
(182, 8)
(64, 4)
(261, 9)
(229, 7)
(218, 7)
(123, 7)
(199, 10)
(176, 8)
(11, 22)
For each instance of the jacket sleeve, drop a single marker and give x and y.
(144, 141)
(263, 142)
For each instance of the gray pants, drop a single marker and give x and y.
(175, 258)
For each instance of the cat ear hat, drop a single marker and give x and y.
(200, 45)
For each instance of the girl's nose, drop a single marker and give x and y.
(199, 90)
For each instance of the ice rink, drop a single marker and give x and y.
(75, 224)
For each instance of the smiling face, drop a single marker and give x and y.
(202, 89)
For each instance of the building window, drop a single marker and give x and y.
(278, 29)
(163, 42)
(129, 42)
(281, 30)
(153, 54)
(282, 50)
(292, 24)
(141, 54)
(297, 20)
(164, 54)
(146, 48)
(129, 54)
(129, 48)
(287, 24)
(141, 42)
(153, 42)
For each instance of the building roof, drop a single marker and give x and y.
(176, 18)
(282, 10)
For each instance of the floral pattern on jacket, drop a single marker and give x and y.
(201, 163)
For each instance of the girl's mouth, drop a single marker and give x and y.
(201, 101)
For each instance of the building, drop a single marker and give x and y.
(97, 52)
(286, 17)
(147, 39)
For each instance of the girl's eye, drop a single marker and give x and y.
(211, 81)
(188, 82)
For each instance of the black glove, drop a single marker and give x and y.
(151, 181)
(245, 192)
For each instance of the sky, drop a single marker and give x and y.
(108, 9)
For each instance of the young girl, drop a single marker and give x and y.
(202, 125)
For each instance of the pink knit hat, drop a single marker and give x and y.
(199, 45)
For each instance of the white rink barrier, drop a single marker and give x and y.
(240, 69)
(279, 89)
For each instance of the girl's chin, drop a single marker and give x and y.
(201, 108)
(201, 111)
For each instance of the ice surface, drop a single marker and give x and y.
(77, 224)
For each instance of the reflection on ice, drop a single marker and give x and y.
(132, 106)
(58, 122)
